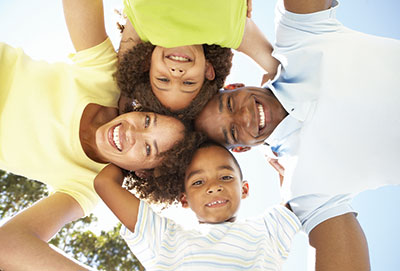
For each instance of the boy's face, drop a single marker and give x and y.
(177, 74)
(213, 186)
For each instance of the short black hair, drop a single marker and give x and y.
(211, 143)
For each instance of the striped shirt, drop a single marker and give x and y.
(261, 243)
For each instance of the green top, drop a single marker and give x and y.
(176, 23)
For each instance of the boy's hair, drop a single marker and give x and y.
(210, 143)
(164, 183)
(133, 79)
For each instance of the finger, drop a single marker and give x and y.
(249, 8)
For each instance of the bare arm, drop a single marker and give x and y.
(340, 244)
(24, 238)
(307, 6)
(121, 202)
(255, 45)
(85, 22)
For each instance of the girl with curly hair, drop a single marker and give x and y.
(185, 64)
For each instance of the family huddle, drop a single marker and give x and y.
(153, 123)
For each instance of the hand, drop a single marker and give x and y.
(267, 77)
(278, 167)
(249, 8)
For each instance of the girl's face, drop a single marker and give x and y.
(134, 140)
(177, 74)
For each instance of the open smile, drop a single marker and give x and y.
(114, 137)
(261, 118)
(179, 57)
(217, 203)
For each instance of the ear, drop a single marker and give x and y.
(240, 149)
(210, 73)
(245, 189)
(183, 201)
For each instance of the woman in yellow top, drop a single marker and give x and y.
(59, 124)
(179, 64)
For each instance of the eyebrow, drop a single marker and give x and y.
(156, 147)
(155, 120)
(155, 125)
(220, 103)
(194, 173)
(189, 91)
(226, 136)
(184, 91)
(225, 133)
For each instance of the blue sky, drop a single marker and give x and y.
(39, 28)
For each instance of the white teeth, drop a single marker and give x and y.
(262, 116)
(179, 58)
(116, 138)
(215, 202)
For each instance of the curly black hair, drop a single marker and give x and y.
(134, 82)
(165, 184)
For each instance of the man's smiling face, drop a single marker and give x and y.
(241, 117)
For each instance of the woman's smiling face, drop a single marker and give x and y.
(134, 140)
(177, 74)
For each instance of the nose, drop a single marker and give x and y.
(134, 135)
(215, 189)
(176, 71)
(243, 117)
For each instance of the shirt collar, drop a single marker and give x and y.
(285, 128)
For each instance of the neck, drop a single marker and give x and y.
(92, 118)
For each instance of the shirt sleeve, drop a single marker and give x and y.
(291, 27)
(316, 208)
(102, 56)
(145, 241)
(281, 225)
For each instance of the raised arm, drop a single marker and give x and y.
(307, 6)
(340, 244)
(24, 238)
(255, 45)
(85, 22)
(120, 201)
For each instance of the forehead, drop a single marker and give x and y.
(211, 158)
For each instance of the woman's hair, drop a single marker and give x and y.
(165, 183)
(134, 81)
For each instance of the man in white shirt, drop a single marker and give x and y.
(333, 110)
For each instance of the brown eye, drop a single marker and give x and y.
(162, 79)
(197, 183)
(229, 104)
(226, 178)
(147, 121)
(188, 83)
(148, 150)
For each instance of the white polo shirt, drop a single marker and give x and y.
(343, 86)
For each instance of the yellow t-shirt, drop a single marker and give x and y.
(41, 105)
(175, 23)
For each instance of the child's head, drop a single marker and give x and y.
(213, 184)
(161, 79)
(164, 184)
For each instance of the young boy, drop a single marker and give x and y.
(213, 190)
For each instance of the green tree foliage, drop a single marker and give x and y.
(106, 251)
